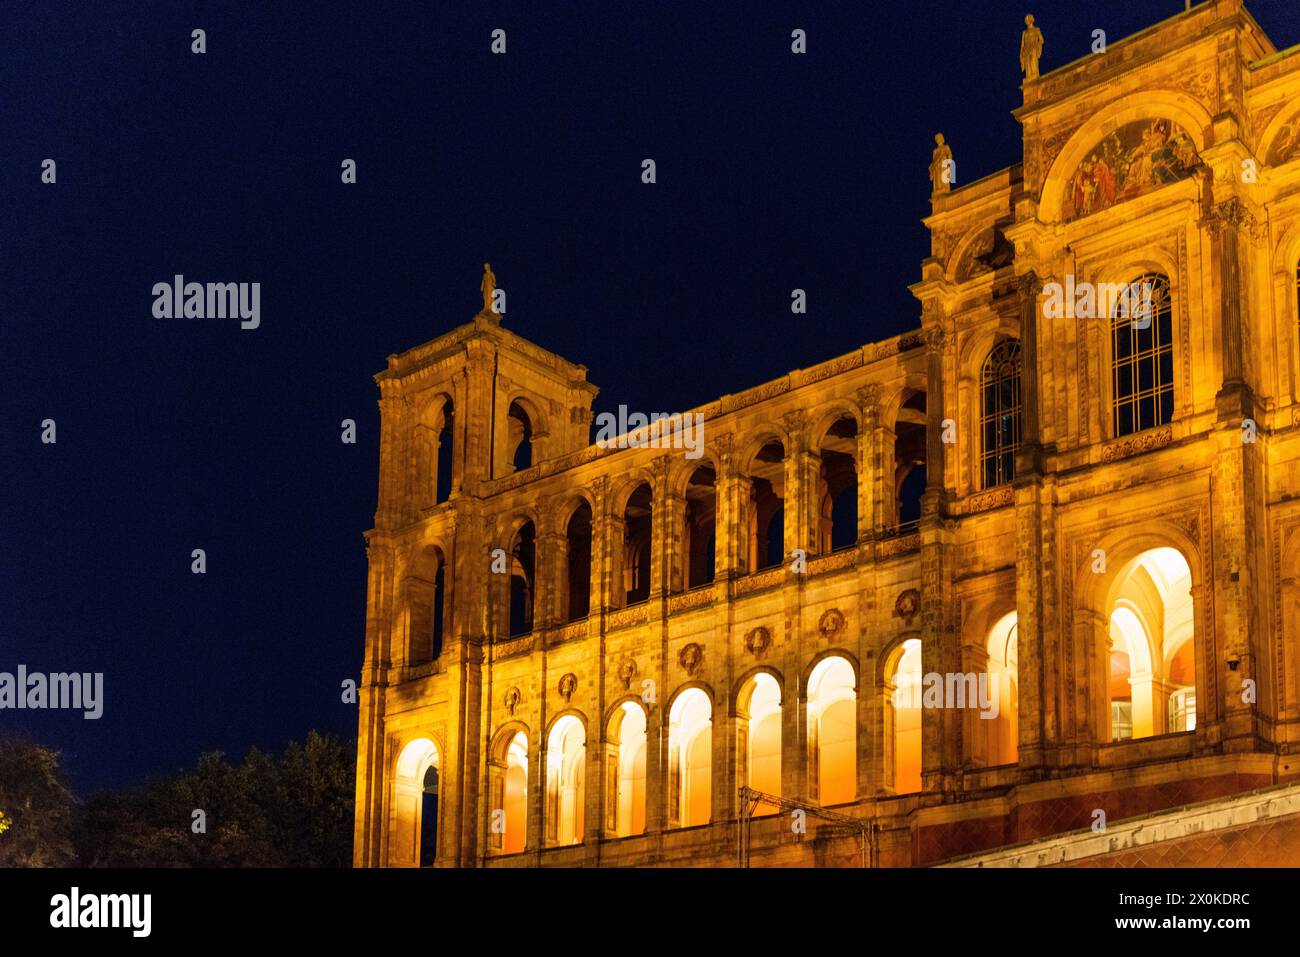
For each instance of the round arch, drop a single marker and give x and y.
(768, 434)
(413, 823)
(1145, 105)
(743, 689)
(891, 403)
(815, 662)
(1269, 135)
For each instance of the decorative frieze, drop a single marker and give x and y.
(1137, 444)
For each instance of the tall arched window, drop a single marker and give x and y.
(426, 602)
(414, 821)
(523, 580)
(509, 789)
(566, 762)
(690, 759)
(833, 732)
(625, 771)
(577, 596)
(1142, 338)
(1000, 413)
(429, 818)
(758, 736)
(903, 717)
(837, 490)
(1152, 651)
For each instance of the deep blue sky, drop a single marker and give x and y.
(775, 171)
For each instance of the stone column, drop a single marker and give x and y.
(731, 544)
(868, 462)
(370, 811)
(800, 486)
(659, 528)
(1237, 496)
(1032, 552)
(940, 647)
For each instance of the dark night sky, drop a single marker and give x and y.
(775, 171)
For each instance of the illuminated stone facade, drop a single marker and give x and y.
(1109, 530)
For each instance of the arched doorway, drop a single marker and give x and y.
(690, 759)
(566, 763)
(833, 731)
(625, 771)
(1152, 662)
(758, 729)
(903, 717)
(413, 836)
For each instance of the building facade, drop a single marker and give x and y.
(975, 585)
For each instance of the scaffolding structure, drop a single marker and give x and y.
(841, 823)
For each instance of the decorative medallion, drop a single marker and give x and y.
(908, 604)
(626, 672)
(758, 641)
(690, 658)
(568, 685)
(512, 700)
(831, 623)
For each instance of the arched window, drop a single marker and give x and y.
(765, 509)
(690, 759)
(909, 459)
(1152, 656)
(523, 579)
(566, 752)
(638, 526)
(429, 818)
(434, 452)
(426, 602)
(625, 771)
(577, 597)
(446, 450)
(1000, 413)
(510, 793)
(837, 510)
(903, 718)
(701, 516)
(1142, 338)
(1000, 729)
(833, 732)
(414, 822)
(758, 741)
(520, 437)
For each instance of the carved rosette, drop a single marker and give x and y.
(831, 624)
(691, 657)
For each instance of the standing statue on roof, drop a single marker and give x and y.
(1031, 48)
